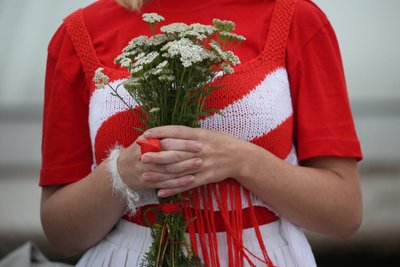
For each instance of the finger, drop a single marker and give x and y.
(166, 157)
(180, 145)
(141, 137)
(155, 177)
(181, 182)
(186, 166)
(190, 165)
(172, 131)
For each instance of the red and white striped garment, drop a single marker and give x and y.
(264, 102)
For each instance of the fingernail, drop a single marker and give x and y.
(147, 134)
(161, 193)
(198, 162)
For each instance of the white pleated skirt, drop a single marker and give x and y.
(127, 244)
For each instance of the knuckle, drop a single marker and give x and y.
(187, 144)
(200, 133)
(208, 177)
(142, 179)
(150, 179)
(196, 163)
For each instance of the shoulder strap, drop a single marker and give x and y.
(279, 30)
(82, 42)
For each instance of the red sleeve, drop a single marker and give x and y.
(66, 146)
(323, 120)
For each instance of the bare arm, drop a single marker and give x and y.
(323, 195)
(78, 215)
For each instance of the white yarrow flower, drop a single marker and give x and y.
(125, 62)
(100, 79)
(201, 28)
(162, 64)
(197, 35)
(135, 43)
(160, 68)
(175, 28)
(226, 68)
(119, 58)
(152, 18)
(224, 25)
(145, 59)
(140, 56)
(133, 82)
(215, 46)
(168, 78)
(154, 110)
(136, 69)
(157, 39)
(234, 36)
(188, 52)
(230, 56)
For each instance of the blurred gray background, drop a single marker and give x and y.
(369, 36)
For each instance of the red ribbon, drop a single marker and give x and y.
(150, 145)
(169, 208)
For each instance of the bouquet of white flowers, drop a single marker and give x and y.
(171, 75)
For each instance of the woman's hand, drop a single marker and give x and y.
(215, 159)
(310, 195)
(171, 168)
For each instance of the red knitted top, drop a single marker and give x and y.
(323, 124)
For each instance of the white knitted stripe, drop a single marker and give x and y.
(103, 105)
(257, 113)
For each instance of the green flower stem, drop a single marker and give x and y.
(179, 95)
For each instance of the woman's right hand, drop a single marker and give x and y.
(174, 167)
(78, 215)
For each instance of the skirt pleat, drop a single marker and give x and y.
(128, 243)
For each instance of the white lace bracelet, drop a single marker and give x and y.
(131, 197)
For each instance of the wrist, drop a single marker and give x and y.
(245, 160)
(120, 188)
(237, 152)
(126, 166)
(120, 167)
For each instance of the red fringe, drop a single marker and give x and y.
(201, 227)
(190, 224)
(228, 195)
(207, 216)
(253, 218)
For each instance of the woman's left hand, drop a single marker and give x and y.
(219, 154)
(309, 195)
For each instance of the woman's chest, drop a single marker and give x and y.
(250, 106)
